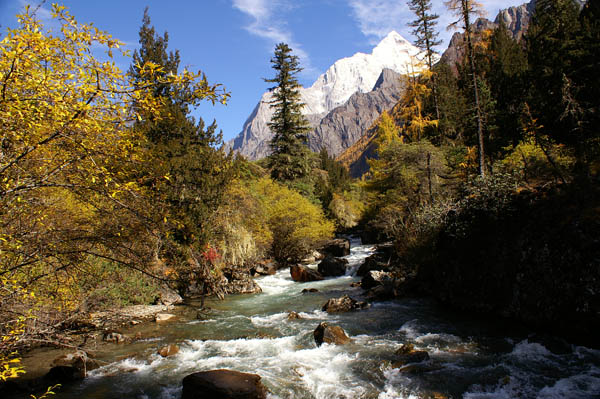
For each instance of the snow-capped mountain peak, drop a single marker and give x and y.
(358, 73)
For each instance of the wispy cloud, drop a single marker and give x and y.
(377, 18)
(267, 24)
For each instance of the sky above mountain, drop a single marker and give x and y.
(232, 41)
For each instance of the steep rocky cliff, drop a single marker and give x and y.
(345, 125)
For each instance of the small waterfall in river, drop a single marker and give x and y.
(470, 358)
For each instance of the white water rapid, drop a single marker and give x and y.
(470, 358)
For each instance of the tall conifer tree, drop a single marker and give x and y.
(288, 160)
(466, 11)
(427, 37)
(184, 151)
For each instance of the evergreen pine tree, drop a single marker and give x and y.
(427, 37)
(288, 160)
(466, 10)
(185, 152)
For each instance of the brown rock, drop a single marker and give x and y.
(343, 304)
(79, 361)
(294, 316)
(265, 268)
(115, 337)
(304, 274)
(337, 247)
(309, 290)
(223, 384)
(324, 333)
(407, 354)
(331, 266)
(168, 350)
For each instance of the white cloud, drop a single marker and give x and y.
(267, 24)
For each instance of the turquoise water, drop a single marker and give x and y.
(470, 358)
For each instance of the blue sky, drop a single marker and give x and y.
(232, 41)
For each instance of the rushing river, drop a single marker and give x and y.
(470, 358)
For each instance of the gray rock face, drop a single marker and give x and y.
(345, 125)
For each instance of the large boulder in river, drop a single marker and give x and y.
(333, 267)
(79, 361)
(337, 247)
(265, 268)
(223, 384)
(324, 333)
(303, 274)
(375, 278)
(377, 261)
(343, 304)
(240, 282)
(407, 354)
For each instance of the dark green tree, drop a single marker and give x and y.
(185, 152)
(427, 38)
(555, 49)
(289, 160)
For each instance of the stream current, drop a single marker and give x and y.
(470, 358)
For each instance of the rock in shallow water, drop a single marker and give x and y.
(337, 247)
(343, 304)
(223, 384)
(168, 350)
(303, 274)
(331, 266)
(324, 333)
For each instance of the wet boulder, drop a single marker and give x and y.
(333, 267)
(79, 361)
(168, 350)
(338, 247)
(375, 278)
(324, 333)
(343, 304)
(223, 384)
(265, 268)
(303, 274)
(63, 375)
(309, 290)
(294, 316)
(376, 261)
(407, 354)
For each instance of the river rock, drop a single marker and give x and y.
(223, 384)
(309, 290)
(373, 262)
(375, 278)
(343, 304)
(163, 317)
(337, 247)
(333, 267)
(168, 350)
(324, 333)
(115, 337)
(294, 316)
(265, 268)
(240, 282)
(78, 360)
(407, 354)
(304, 274)
(313, 257)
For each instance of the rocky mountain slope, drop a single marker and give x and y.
(358, 74)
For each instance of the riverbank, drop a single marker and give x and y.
(469, 357)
